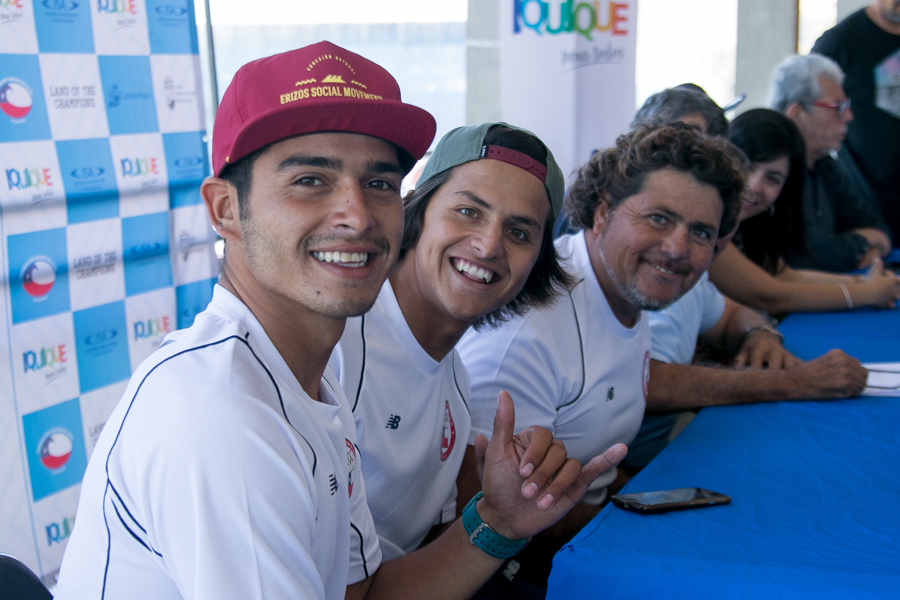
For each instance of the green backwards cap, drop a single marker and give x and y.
(465, 144)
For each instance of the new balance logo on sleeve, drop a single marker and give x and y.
(393, 422)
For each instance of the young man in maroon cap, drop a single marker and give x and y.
(230, 467)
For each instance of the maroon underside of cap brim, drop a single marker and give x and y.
(407, 126)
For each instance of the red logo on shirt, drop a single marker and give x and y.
(448, 436)
(351, 465)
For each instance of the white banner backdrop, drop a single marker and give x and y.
(104, 242)
(567, 72)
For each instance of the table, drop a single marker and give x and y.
(815, 489)
(869, 334)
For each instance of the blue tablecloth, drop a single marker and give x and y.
(868, 334)
(815, 490)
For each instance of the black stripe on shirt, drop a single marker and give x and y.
(581, 348)
(362, 549)
(362, 368)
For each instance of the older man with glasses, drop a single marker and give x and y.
(842, 230)
(867, 47)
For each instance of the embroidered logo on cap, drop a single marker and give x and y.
(337, 85)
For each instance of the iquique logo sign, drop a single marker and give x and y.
(33, 178)
(155, 327)
(582, 18)
(44, 358)
(118, 7)
(59, 532)
(139, 167)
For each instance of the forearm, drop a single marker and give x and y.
(742, 280)
(812, 276)
(448, 568)
(681, 387)
(741, 323)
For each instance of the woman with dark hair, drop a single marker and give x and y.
(477, 249)
(771, 231)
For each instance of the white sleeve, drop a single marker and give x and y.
(520, 359)
(713, 306)
(674, 330)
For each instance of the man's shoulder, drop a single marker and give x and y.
(843, 34)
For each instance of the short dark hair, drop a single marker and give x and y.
(617, 173)
(765, 135)
(240, 175)
(670, 105)
(547, 278)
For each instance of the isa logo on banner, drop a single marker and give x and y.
(89, 178)
(54, 443)
(23, 112)
(171, 25)
(64, 26)
(187, 164)
(128, 90)
(192, 299)
(145, 250)
(101, 344)
(39, 286)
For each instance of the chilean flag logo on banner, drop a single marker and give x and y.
(448, 436)
(15, 98)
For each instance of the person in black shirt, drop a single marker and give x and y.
(842, 230)
(866, 45)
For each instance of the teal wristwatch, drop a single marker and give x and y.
(485, 538)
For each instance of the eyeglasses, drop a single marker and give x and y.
(841, 107)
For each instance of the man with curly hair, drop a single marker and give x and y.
(652, 209)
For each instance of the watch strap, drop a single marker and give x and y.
(485, 538)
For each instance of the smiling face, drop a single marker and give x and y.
(656, 244)
(481, 236)
(764, 184)
(323, 225)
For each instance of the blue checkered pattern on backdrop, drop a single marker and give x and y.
(106, 246)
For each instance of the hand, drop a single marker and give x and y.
(877, 239)
(762, 349)
(529, 482)
(833, 375)
(881, 290)
(869, 258)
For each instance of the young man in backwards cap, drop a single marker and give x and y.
(230, 468)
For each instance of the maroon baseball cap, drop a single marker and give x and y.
(314, 89)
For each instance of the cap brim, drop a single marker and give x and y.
(409, 127)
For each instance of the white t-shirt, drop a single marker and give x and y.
(411, 419)
(216, 476)
(676, 328)
(572, 368)
(674, 331)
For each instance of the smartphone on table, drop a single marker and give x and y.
(679, 499)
